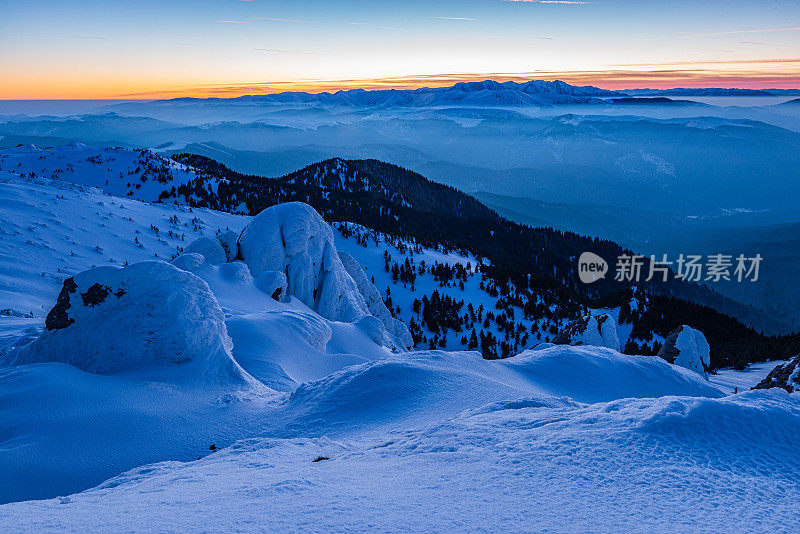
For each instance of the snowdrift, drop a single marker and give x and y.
(642, 465)
(430, 386)
(88, 415)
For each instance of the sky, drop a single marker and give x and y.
(92, 49)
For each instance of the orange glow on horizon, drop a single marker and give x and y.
(777, 74)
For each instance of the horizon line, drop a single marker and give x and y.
(607, 80)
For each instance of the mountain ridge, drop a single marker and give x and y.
(534, 92)
(534, 268)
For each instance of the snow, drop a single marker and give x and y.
(139, 174)
(730, 380)
(210, 248)
(52, 229)
(600, 330)
(207, 404)
(687, 347)
(370, 248)
(374, 301)
(533, 464)
(293, 238)
(159, 316)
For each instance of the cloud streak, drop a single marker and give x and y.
(286, 20)
(562, 2)
(733, 32)
(770, 44)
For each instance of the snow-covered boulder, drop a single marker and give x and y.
(596, 330)
(687, 348)
(210, 248)
(294, 239)
(228, 241)
(786, 376)
(374, 301)
(147, 316)
(273, 283)
(235, 272)
(191, 261)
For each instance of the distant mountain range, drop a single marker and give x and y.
(483, 93)
(711, 91)
(487, 92)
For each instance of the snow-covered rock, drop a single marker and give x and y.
(599, 330)
(687, 347)
(294, 239)
(191, 261)
(786, 376)
(374, 301)
(209, 247)
(235, 272)
(273, 283)
(146, 316)
(228, 241)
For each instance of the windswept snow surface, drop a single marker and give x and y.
(533, 464)
(565, 438)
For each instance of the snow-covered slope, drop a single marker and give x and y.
(139, 174)
(321, 421)
(51, 230)
(532, 464)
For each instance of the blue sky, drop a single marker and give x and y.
(57, 49)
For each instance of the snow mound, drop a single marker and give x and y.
(210, 248)
(423, 387)
(110, 320)
(687, 347)
(597, 374)
(191, 261)
(599, 330)
(374, 302)
(786, 376)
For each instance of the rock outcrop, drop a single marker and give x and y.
(786, 376)
(294, 239)
(110, 320)
(289, 251)
(687, 348)
(274, 284)
(597, 330)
